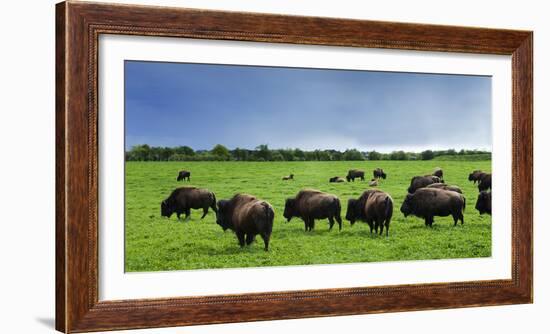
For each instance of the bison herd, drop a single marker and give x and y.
(427, 197)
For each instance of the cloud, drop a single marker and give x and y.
(197, 105)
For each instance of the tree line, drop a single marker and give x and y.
(264, 153)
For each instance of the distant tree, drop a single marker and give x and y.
(221, 152)
(277, 156)
(262, 151)
(373, 155)
(185, 150)
(323, 155)
(287, 154)
(398, 155)
(353, 154)
(299, 155)
(427, 155)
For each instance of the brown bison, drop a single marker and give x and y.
(183, 199)
(484, 182)
(445, 186)
(374, 207)
(313, 204)
(483, 204)
(475, 176)
(336, 179)
(418, 182)
(184, 175)
(438, 172)
(355, 173)
(289, 177)
(248, 217)
(429, 202)
(379, 173)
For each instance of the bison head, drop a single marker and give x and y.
(352, 211)
(406, 207)
(383, 175)
(222, 218)
(290, 209)
(166, 210)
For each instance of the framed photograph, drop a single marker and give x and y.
(224, 167)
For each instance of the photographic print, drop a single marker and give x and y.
(234, 166)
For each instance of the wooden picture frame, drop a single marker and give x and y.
(78, 26)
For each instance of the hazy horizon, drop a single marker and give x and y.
(201, 105)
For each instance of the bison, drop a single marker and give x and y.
(475, 176)
(445, 186)
(184, 175)
(438, 172)
(355, 173)
(289, 177)
(374, 207)
(183, 199)
(313, 204)
(483, 204)
(429, 202)
(247, 216)
(418, 182)
(379, 173)
(336, 179)
(484, 182)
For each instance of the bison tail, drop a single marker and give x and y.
(338, 210)
(388, 203)
(463, 203)
(269, 217)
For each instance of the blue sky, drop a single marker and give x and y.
(201, 105)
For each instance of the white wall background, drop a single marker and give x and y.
(27, 72)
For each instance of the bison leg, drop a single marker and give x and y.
(312, 224)
(250, 238)
(331, 222)
(387, 228)
(381, 223)
(266, 241)
(240, 236)
(461, 216)
(178, 214)
(187, 214)
(339, 220)
(204, 212)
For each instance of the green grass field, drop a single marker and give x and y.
(154, 243)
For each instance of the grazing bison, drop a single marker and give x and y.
(183, 199)
(355, 173)
(418, 182)
(374, 207)
(379, 173)
(183, 175)
(483, 204)
(484, 182)
(313, 204)
(290, 177)
(248, 217)
(475, 176)
(438, 172)
(336, 179)
(445, 186)
(373, 183)
(429, 202)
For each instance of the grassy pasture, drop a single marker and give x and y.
(154, 243)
